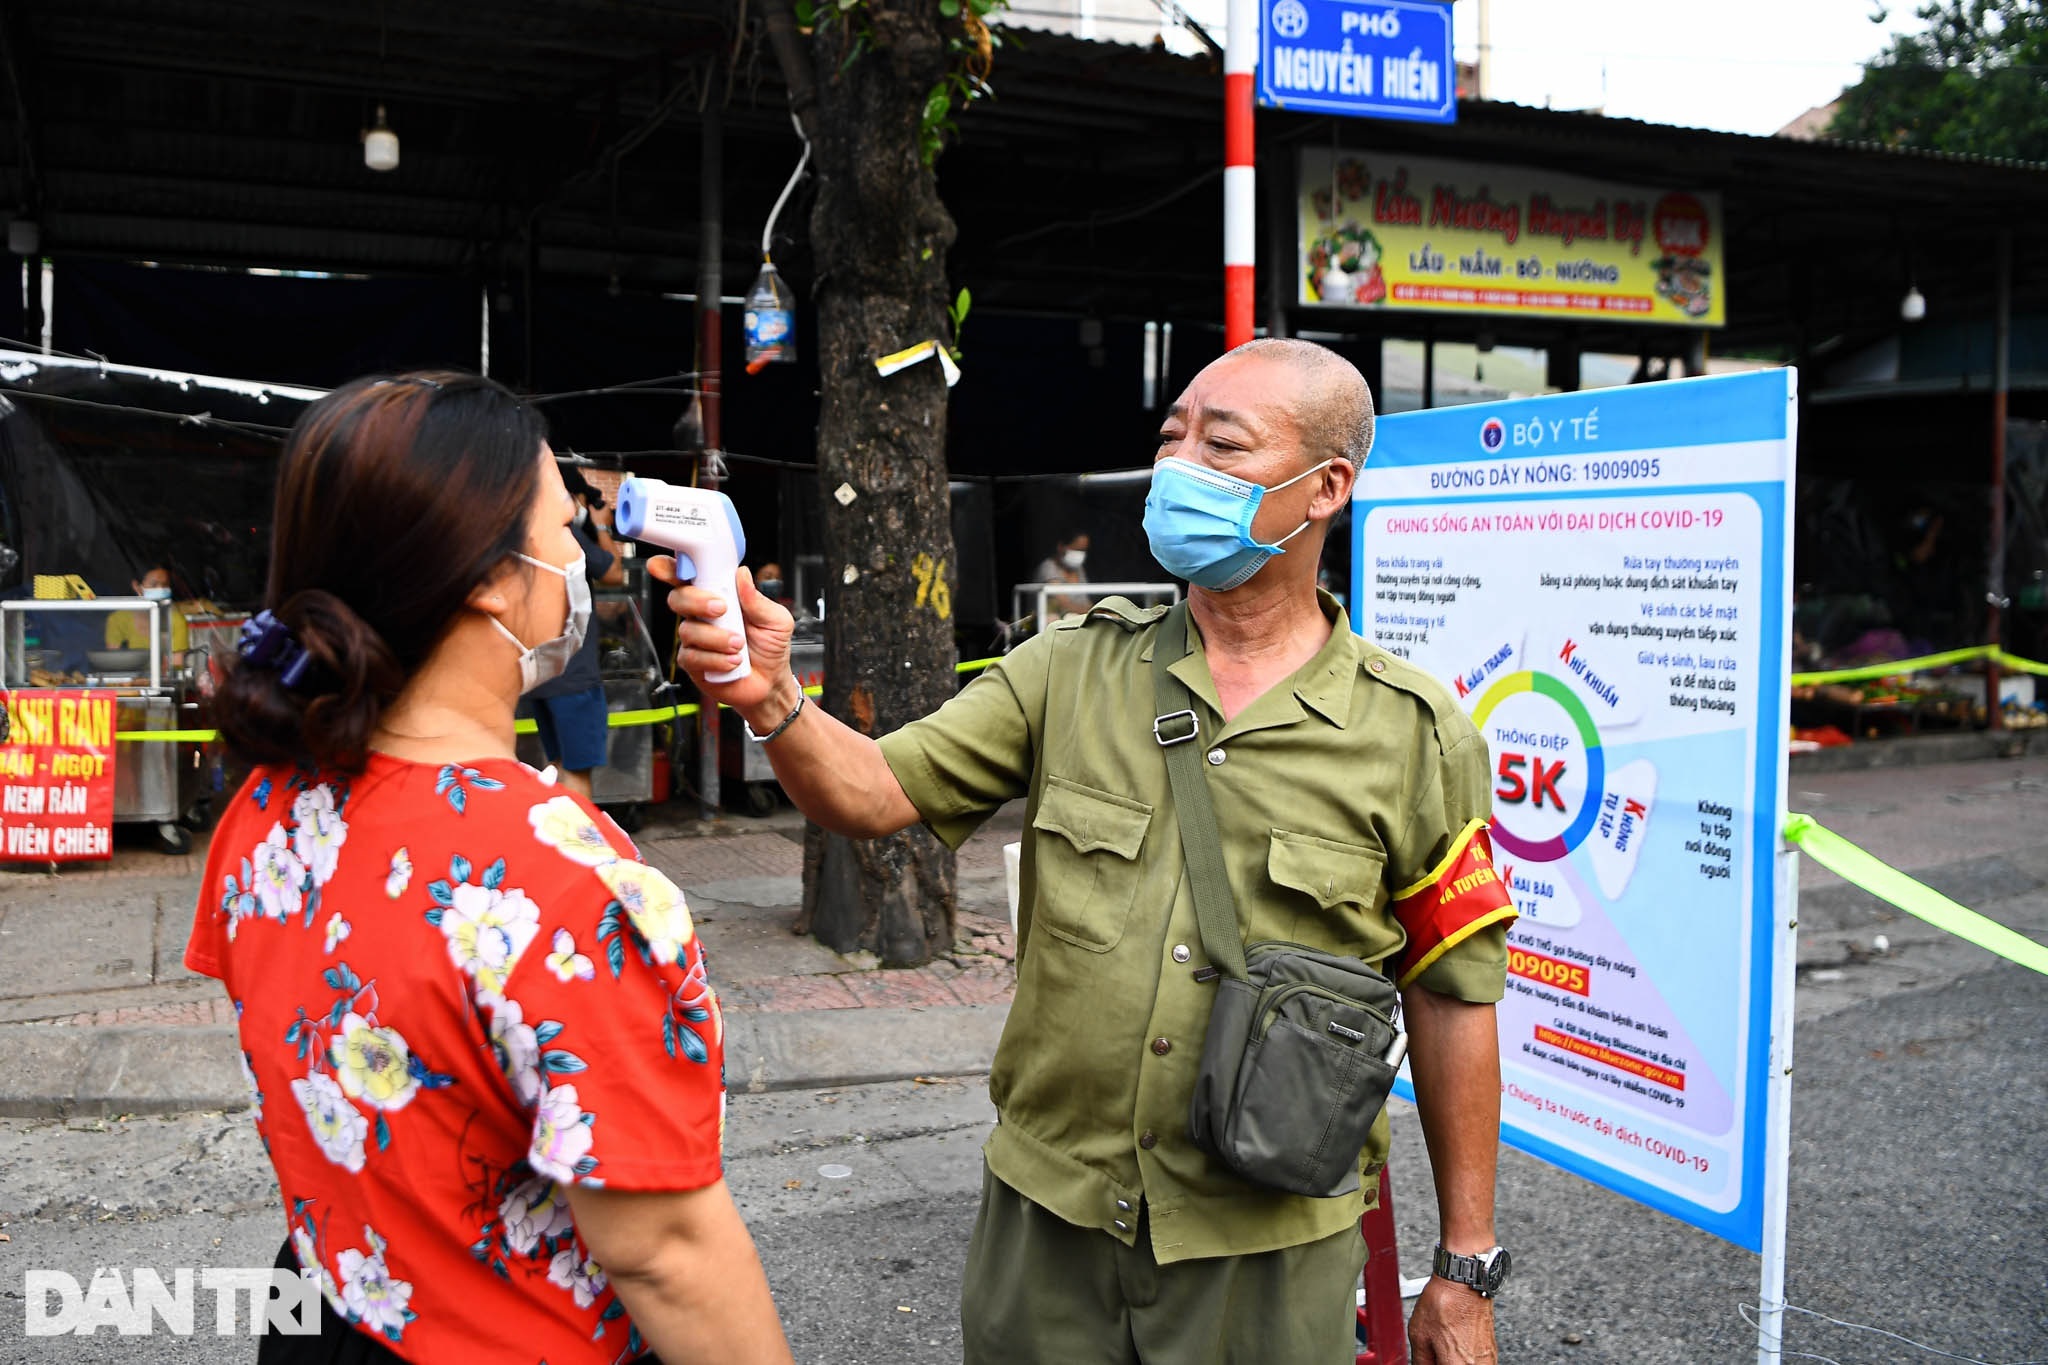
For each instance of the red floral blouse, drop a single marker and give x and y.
(460, 992)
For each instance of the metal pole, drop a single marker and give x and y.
(1770, 1317)
(1429, 369)
(1485, 81)
(1240, 179)
(710, 363)
(1283, 251)
(2001, 379)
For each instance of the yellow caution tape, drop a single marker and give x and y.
(1894, 887)
(1868, 672)
(618, 720)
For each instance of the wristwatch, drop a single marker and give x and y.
(1483, 1274)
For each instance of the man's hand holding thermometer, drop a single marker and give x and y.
(731, 640)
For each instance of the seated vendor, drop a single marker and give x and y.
(130, 629)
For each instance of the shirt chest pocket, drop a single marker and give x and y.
(1335, 896)
(1088, 843)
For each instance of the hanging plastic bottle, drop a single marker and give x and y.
(770, 321)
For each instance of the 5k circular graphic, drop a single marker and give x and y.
(1549, 773)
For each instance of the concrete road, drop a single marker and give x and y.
(1917, 1206)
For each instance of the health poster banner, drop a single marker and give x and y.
(1382, 230)
(57, 777)
(1602, 579)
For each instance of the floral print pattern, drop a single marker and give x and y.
(354, 979)
(566, 963)
(400, 876)
(373, 1064)
(655, 906)
(563, 827)
(561, 1136)
(337, 1126)
(279, 876)
(487, 927)
(371, 1295)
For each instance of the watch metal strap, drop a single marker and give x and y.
(1482, 1274)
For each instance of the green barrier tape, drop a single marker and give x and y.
(2019, 665)
(1954, 656)
(1886, 670)
(1888, 884)
(617, 720)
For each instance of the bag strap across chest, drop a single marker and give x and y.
(1177, 728)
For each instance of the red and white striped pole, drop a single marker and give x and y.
(1240, 179)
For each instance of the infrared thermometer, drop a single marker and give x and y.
(703, 531)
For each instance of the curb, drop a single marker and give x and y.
(58, 1071)
(1911, 751)
(818, 1049)
(62, 1071)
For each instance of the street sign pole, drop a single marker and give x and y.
(1240, 178)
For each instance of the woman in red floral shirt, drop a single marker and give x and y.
(486, 1058)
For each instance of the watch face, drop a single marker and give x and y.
(1496, 1273)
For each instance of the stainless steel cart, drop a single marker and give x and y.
(49, 645)
(630, 671)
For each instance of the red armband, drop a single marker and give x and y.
(1451, 902)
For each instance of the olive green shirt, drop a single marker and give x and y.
(1349, 780)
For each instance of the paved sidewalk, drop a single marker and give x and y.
(99, 1017)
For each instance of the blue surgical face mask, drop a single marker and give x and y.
(1199, 523)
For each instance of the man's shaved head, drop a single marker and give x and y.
(1336, 416)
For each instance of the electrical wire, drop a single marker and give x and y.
(197, 419)
(1745, 1309)
(803, 162)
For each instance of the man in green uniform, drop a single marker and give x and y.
(1350, 795)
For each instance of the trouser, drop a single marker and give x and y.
(1040, 1291)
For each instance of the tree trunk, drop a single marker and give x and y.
(879, 236)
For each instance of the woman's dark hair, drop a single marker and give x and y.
(395, 498)
(578, 486)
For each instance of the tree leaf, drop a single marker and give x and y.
(806, 13)
(950, 8)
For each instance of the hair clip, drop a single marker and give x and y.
(269, 643)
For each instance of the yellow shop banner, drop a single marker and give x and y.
(1424, 235)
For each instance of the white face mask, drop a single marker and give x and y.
(548, 660)
(157, 594)
(1074, 559)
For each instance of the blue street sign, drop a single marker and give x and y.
(1384, 59)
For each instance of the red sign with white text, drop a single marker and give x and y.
(57, 777)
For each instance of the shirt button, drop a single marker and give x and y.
(1378, 665)
(1148, 1139)
(1180, 952)
(1216, 758)
(1122, 1226)
(1123, 1205)
(1161, 1046)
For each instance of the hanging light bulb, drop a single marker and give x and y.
(1913, 307)
(380, 145)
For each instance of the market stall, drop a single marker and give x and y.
(58, 649)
